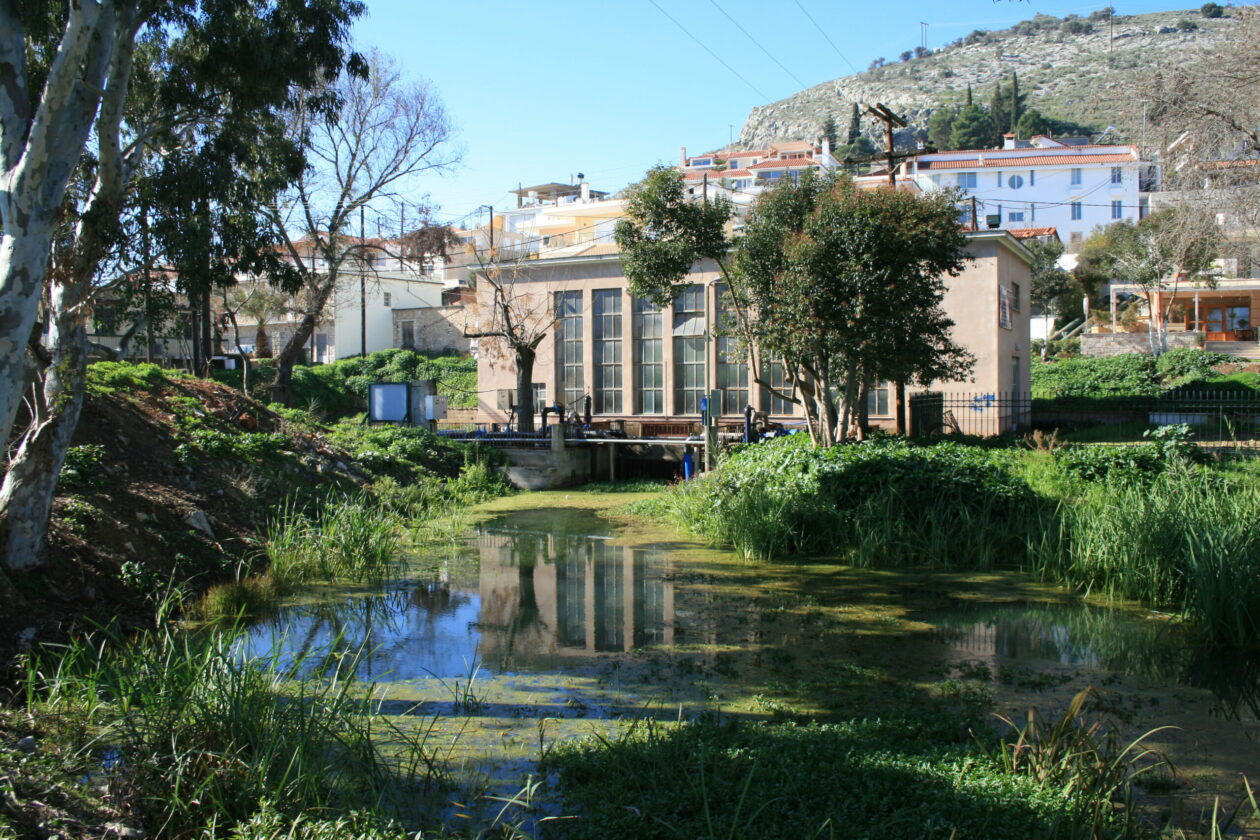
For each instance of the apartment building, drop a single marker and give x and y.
(1044, 183)
(748, 172)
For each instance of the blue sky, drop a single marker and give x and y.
(540, 91)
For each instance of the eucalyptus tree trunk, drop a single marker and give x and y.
(41, 139)
(26, 495)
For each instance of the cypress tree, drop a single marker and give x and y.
(999, 109)
(969, 93)
(829, 131)
(1017, 106)
(855, 125)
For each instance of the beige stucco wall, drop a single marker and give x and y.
(971, 301)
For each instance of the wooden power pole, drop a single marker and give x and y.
(881, 112)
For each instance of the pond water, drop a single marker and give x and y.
(552, 619)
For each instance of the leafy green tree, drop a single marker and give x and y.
(846, 286)
(860, 148)
(1049, 281)
(1031, 124)
(1006, 105)
(973, 129)
(665, 233)
(1212, 10)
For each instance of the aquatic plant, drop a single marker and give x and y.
(190, 732)
(349, 538)
(1084, 758)
(1135, 522)
(891, 778)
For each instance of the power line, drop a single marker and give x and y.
(759, 46)
(825, 35)
(716, 57)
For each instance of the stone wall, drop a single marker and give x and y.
(438, 329)
(1115, 344)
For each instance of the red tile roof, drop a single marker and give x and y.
(714, 175)
(1032, 233)
(1020, 162)
(784, 164)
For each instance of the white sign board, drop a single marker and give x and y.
(387, 402)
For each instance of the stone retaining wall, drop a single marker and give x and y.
(1114, 344)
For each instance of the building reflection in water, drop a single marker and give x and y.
(552, 593)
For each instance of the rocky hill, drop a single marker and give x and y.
(1072, 68)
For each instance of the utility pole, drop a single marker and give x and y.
(362, 288)
(490, 227)
(705, 190)
(881, 112)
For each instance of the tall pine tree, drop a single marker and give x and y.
(829, 132)
(855, 125)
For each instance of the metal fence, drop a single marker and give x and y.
(1223, 418)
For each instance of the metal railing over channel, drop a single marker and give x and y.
(1227, 418)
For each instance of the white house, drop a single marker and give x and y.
(363, 303)
(1043, 183)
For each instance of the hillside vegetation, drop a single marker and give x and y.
(1073, 69)
(175, 484)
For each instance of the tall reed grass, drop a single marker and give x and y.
(352, 538)
(1140, 523)
(184, 729)
(1185, 540)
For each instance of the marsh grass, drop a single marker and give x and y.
(181, 726)
(1185, 540)
(1141, 523)
(890, 779)
(350, 538)
(1085, 758)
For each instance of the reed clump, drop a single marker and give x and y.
(351, 538)
(184, 729)
(1148, 522)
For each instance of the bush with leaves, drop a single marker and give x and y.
(1187, 364)
(1127, 375)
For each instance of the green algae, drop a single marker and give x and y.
(670, 630)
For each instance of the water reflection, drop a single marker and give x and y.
(1100, 639)
(520, 597)
(539, 597)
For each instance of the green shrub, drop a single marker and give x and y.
(1187, 363)
(883, 502)
(1127, 375)
(1101, 463)
(339, 389)
(104, 378)
(241, 446)
(81, 469)
(405, 453)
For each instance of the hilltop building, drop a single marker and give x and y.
(1044, 183)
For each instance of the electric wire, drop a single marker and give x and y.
(716, 57)
(758, 43)
(825, 35)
